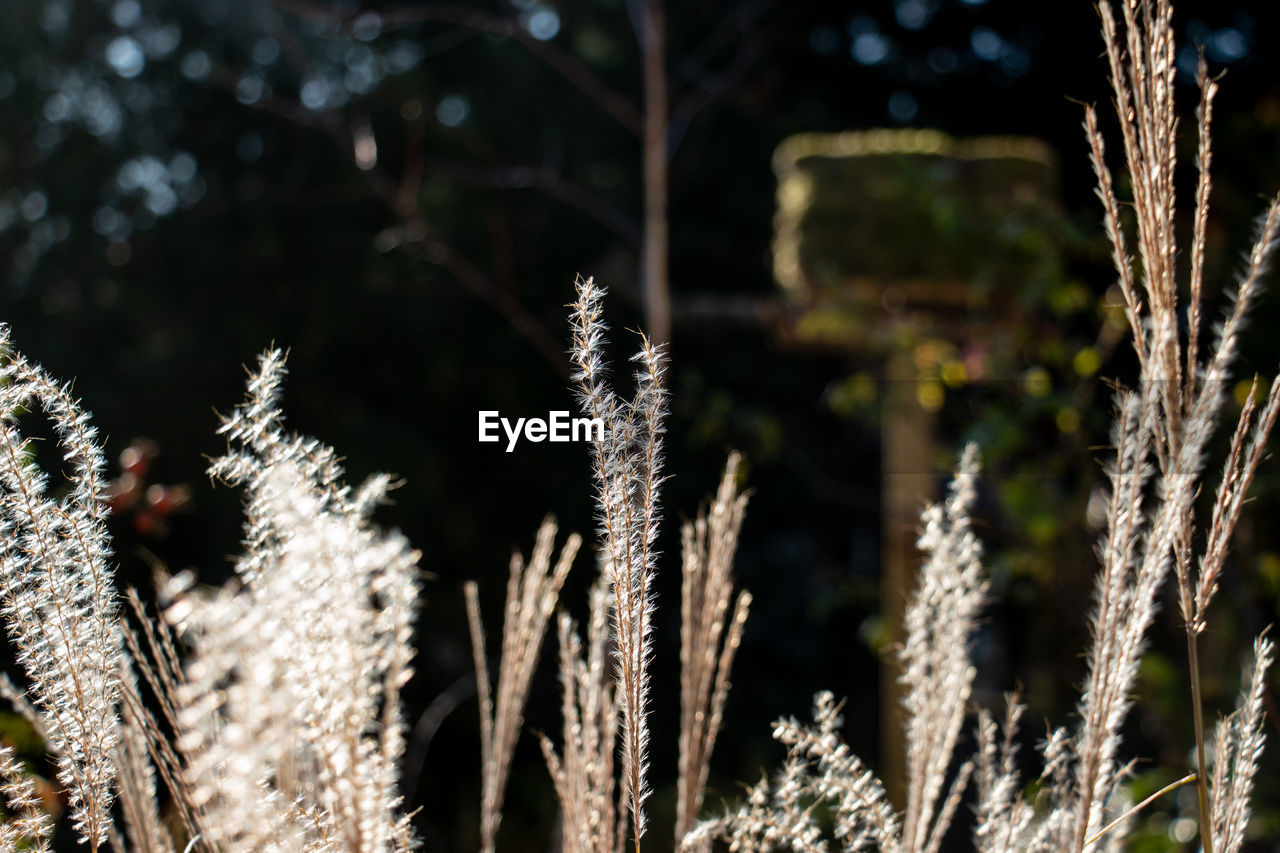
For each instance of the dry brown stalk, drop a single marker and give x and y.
(532, 591)
(710, 633)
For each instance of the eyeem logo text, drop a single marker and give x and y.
(557, 427)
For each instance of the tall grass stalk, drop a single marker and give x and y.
(711, 625)
(1185, 396)
(532, 591)
(627, 468)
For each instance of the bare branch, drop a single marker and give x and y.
(710, 88)
(550, 181)
(508, 26)
(417, 231)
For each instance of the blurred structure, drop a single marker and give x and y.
(916, 252)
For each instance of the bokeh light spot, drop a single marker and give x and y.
(125, 57)
(453, 110)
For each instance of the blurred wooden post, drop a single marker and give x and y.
(907, 450)
(885, 240)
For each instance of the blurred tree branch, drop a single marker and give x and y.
(548, 180)
(669, 103)
(508, 26)
(413, 229)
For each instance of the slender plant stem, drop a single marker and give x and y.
(1202, 779)
(1172, 786)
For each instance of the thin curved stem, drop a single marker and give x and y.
(1202, 778)
(1172, 786)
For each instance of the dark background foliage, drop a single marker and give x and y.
(177, 191)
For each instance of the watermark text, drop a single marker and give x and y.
(558, 427)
